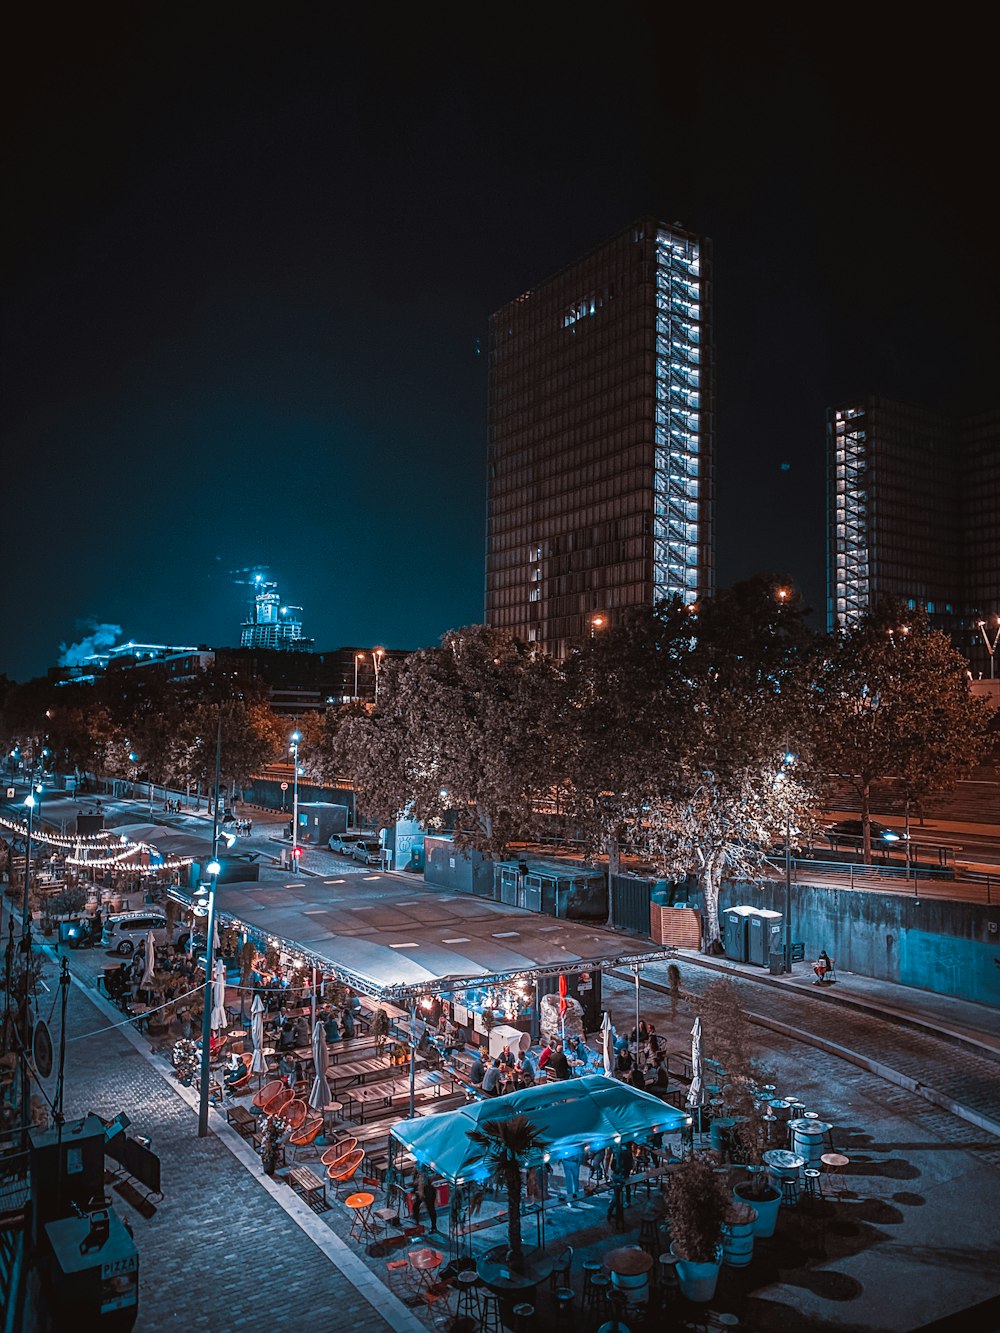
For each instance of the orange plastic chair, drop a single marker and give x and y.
(338, 1151)
(240, 1084)
(344, 1171)
(278, 1103)
(264, 1094)
(302, 1138)
(294, 1113)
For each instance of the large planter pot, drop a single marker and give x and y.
(737, 1236)
(765, 1205)
(697, 1281)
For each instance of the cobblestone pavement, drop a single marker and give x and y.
(219, 1246)
(963, 1076)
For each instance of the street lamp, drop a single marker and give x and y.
(787, 762)
(30, 804)
(296, 736)
(358, 657)
(377, 655)
(991, 644)
(213, 869)
(596, 623)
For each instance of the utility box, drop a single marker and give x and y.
(93, 1277)
(319, 821)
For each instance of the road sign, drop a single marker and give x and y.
(11, 792)
(284, 786)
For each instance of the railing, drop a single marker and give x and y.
(921, 880)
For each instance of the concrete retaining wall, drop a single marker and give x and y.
(952, 948)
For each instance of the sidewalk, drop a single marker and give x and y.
(974, 1025)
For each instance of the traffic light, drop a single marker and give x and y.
(297, 852)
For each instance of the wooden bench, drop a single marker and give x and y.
(471, 1090)
(308, 1184)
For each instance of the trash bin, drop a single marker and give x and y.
(777, 965)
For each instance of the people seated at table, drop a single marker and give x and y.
(332, 1028)
(476, 1073)
(660, 1080)
(506, 1056)
(623, 1063)
(637, 1078)
(348, 1023)
(491, 1079)
(236, 1068)
(558, 1062)
(286, 1037)
(286, 1068)
(301, 1031)
(425, 1045)
(653, 1042)
(545, 1055)
(524, 1071)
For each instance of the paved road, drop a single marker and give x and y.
(954, 1072)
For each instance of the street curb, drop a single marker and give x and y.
(852, 1002)
(385, 1304)
(876, 1067)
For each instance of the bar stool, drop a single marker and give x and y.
(648, 1239)
(564, 1297)
(466, 1284)
(591, 1268)
(789, 1189)
(524, 1317)
(833, 1164)
(489, 1312)
(813, 1183)
(596, 1293)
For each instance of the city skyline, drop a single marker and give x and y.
(250, 275)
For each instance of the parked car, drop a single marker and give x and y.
(850, 832)
(125, 932)
(367, 851)
(341, 844)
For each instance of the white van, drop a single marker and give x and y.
(124, 933)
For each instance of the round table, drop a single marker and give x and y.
(360, 1205)
(330, 1113)
(629, 1268)
(784, 1164)
(425, 1263)
(512, 1288)
(834, 1163)
(808, 1137)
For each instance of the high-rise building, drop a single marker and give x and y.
(600, 439)
(913, 507)
(270, 623)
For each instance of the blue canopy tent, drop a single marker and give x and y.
(574, 1114)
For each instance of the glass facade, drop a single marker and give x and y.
(600, 434)
(912, 509)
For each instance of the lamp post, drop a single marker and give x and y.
(358, 657)
(991, 644)
(377, 655)
(296, 736)
(29, 802)
(788, 761)
(596, 623)
(213, 873)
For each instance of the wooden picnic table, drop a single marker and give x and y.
(241, 1120)
(366, 1097)
(340, 1077)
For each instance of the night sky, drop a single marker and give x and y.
(252, 251)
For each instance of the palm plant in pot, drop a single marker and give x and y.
(697, 1208)
(508, 1143)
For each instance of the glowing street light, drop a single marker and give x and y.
(295, 737)
(596, 623)
(377, 655)
(358, 657)
(991, 644)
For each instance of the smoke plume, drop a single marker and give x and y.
(99, 638)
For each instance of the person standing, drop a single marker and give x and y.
(424, 1193)
(571, 1175)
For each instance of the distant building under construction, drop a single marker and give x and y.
(271, 623)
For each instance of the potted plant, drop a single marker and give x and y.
(271, 1133)
(697, 1207)
(508, 1142)
(749, 1142)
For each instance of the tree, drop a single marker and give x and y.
(459, 739)
(508, 1143)
(613, 732)
(893, 705)
(731, 788)
(252, 735)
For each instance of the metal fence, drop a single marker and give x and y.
(973, 887)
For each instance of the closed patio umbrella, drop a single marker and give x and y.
(320, 1092)
(147, 973)
(258, 1065)
(219, 996)
(694, 1096)
(607, 1045)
